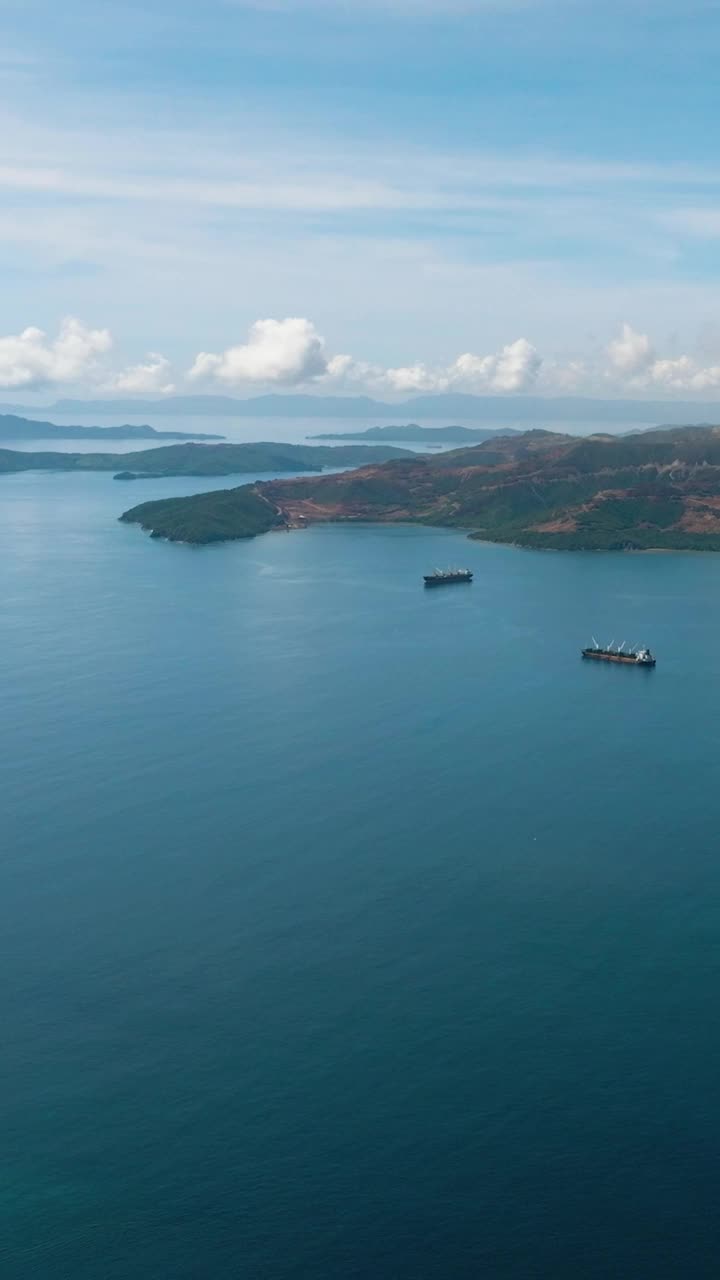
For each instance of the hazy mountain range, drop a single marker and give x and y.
(535, 409)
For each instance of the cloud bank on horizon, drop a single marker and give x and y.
(290, 354)
(280, 196)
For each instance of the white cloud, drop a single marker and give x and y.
(684, 374)
(324, 179)
(631, 353)
(152, 375)
(344, 371)
(278, 352)
(31, 360)
(287, 171)
(415, 377)
(514, 368)
(331, 192)
(632, 357)
(291, 352)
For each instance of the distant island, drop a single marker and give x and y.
(422, 435)
(17, 429)
(656, 490)
(450, 405)
(202, 459)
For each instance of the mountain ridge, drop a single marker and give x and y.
(507, 408)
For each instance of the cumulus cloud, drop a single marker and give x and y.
(684, 374)
(281, 352)
(633, 357)
(414, 377)
(31, 360)
(514, 368)
(152, 375)
(291, 352)
(345, 371)
(631, 353)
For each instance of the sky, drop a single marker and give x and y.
(359, 196)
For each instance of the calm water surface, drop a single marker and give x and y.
(243, 429)
(350, 930)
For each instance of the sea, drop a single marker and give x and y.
(287, 430)
(351, 931)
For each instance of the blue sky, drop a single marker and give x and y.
(406, 194)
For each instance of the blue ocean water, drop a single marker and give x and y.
(242, 429)
(352, 930)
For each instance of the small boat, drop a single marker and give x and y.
(442, 577)
(635, 656)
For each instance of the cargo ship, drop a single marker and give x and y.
(618, 653)
(442, 577)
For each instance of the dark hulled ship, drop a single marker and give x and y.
(618, 653)
(442, 577)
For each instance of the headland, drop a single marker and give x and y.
(539, 489)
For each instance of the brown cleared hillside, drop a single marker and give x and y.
(660, 489)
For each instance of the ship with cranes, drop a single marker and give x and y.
(634, 656)
(442, 577)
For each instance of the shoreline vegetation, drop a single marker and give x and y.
(659, 490)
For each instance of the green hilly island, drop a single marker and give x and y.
(422, 435)
(201, 459)
(657, 490)
(19, 429)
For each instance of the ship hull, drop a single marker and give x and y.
(447, 582)
(627, 659)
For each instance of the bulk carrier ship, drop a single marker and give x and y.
(441, 577)
(612, 653)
